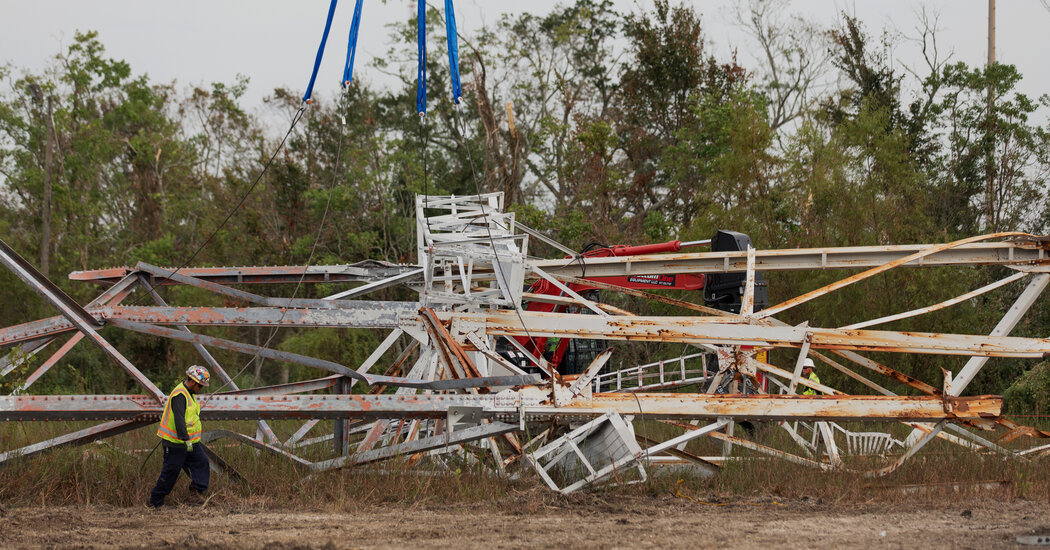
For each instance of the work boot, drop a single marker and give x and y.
(194, 499)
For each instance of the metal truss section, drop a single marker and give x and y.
(590, 454)
(73, 312)
(686, 370)
(469, 251)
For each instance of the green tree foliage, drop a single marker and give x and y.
(1030, 393)
(599, 126)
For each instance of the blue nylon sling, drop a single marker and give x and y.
(320, 53)
(453, 51)
(421, 81)
(351, 47)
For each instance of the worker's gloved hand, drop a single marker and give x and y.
(189, 446)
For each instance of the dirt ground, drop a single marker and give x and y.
(619, 523)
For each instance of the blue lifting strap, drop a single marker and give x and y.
(320, 53)
(421, 82)
(351, 47)
(453, 51)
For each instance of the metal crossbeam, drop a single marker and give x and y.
(715, 330)
(366, 271)
(506, 405)
(855, 257)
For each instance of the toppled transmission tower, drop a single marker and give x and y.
(458, 373)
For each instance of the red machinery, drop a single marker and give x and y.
(721, 291)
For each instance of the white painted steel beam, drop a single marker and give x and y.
(716, 331)
(1006, 324)
(854, 257)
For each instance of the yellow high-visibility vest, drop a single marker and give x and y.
(812, 378)
(166, 428)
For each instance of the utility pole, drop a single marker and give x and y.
(989, 161)
(45, 245)
(991, 32)
(37, 93)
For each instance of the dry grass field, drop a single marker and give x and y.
(93, 496)
(587, 521)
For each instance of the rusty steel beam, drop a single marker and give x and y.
(1017, 311)
(215, 435)
(212, 362)
(365, 314)
(51, 361)
(419, 445)
(507, 406)
(716, 331)
(1033, 252)
(38, 333)
(366, 271)
(250, 297)
(44, 287)
(941, 305)
(23, 352)
(370, 379)
(915, 257)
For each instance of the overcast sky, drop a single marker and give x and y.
(273, 42)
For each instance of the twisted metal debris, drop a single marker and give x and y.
(449, 385)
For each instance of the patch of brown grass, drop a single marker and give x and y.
(116, 472)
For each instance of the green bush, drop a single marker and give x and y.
(1030, 394)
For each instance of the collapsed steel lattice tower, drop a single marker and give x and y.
(448, 382)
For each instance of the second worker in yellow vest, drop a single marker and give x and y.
(811, 375)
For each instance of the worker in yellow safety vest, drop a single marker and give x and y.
(811, 375)
(180, 435)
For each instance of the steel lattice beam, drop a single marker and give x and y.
(723, 331)
(1032, 253)
(366, 271)
(507, 405)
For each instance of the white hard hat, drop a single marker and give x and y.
(198, 374)
(808, 363)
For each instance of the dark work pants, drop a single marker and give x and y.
(176, 459)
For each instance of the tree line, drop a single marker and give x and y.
(599, 126)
